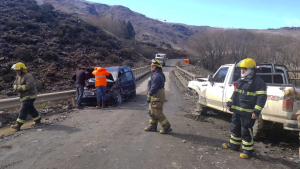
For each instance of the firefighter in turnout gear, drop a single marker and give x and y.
(156, 99)
(25, 86)
(246, 103)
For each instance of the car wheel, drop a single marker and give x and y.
(117, 97)
(134, 93)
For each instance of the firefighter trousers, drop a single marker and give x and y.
(27, 107)
(242, 132)
(156, 109)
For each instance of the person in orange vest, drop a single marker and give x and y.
(101, 74)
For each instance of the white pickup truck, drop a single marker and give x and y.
(214, 91)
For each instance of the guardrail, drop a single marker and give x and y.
(185, 76)
(14, 102)
(140, 72)
(71, 94)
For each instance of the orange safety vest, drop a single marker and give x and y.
(100, 74)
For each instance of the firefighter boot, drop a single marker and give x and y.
(228, 146)
(99, 104)
(152, 127)
(165, 131)
(36, 122)
(17, 126)
(245, 154)
(103, 103)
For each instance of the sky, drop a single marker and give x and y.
(233, 14)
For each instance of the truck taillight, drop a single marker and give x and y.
(288, 105)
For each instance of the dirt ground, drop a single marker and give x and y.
(115, 138)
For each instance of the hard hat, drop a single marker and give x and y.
(156, 63)
(19, 66)
(247, 63)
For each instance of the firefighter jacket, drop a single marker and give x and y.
(156, 82)
(249, 97)
(25, 84)
(100, 74)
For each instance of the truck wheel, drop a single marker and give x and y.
(199, 107)
(258, 129)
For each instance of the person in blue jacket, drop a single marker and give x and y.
(156, 98)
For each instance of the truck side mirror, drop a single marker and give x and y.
(209, 78)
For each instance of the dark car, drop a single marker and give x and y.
(121, 88)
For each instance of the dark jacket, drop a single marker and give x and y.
(249, 97)
(157, 82)
(80, 76)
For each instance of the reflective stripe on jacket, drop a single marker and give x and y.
(249, 97)
(25, 84)
(100, 74)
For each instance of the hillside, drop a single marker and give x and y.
(53, 45)
(163, 34)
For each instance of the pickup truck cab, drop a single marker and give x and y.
(216, 90)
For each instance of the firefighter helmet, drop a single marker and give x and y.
(156, 63)
(247, 63)
(19, 66)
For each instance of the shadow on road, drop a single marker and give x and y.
(213, 142)
(198, 139)
(276, 161)
(58, 127)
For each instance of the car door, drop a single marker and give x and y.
(127, 82)
(215, 89)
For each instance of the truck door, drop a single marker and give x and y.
(215, 89)
(229, 86)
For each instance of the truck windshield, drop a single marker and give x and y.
(220, 75)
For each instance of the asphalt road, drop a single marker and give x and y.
(114, 138)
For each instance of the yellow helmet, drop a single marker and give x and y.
(156, 63)
(247, 63)
(19, 66)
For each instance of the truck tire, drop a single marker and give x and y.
(199, 107)
(258, 129)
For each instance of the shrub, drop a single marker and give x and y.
(113, 58)
(63, 41)
(8, 78)
(49, 55)
(103, 51)
(13, 39)
(91, 27)
(11, 25)
(128, 63)
(29, 25)
(39, 86)
(33, 7)
(1, 88)
(97, 43)
(22, 54)
(47, 7)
